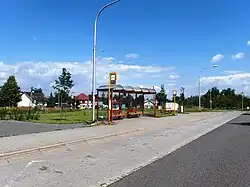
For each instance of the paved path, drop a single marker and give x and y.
(14, 128)
(220, 158)
(101, 162)
(28, 141)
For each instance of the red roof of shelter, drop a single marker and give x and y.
(82, 97)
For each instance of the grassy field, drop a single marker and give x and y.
(81, 116)
(67, 117)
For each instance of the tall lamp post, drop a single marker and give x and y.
(210, 99)
(242, 100)
(214, 66)
(94, 57)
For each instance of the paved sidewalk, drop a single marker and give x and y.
(14, 128)
(101, 162)
(15, 143)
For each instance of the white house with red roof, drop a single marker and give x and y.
(84, 101)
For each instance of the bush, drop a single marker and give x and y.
(3, 113)
(19, 114)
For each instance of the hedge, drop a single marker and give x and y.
(19, 114)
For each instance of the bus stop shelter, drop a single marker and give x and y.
(127, 90)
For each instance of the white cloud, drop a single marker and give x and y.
(174, 76)
(248, 43)
(228, 80)
(132, 56)
(217, 58)
(238, 56)
(232, 72)
(106, 59)
(44, 73)
(171, 84)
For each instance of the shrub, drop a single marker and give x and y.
(3, 113)
(19, 114)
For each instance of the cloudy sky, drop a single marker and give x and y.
(147, 43)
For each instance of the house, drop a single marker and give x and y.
(32, 100)
(84, 101)
(148, 104)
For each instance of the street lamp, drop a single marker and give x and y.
(242, 100)
(94, 57)
(214, 66)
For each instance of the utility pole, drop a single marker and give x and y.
(58, 97)
(94, 55)
(214, 66)
(31, 95)
(183, 92)
(210, 100)
(242, 100)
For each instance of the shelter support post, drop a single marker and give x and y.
(136, 101)
(143, 104)
(120, 106)
(97, 105)
(154, 105)
(111, 112)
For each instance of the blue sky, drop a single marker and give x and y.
(147, 42)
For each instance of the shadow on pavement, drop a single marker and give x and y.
(243, 123)
(243, 119)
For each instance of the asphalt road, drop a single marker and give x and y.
(14, 128)
(219, 158)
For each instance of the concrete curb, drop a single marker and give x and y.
(57, 145)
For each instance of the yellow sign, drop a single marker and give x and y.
(111, 82)
(112, 78)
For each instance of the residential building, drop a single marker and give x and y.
(29, 99)
(148, 104)
(84, 101)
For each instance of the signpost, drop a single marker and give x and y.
(174, 96)
(111, 82)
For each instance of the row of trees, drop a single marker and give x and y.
(10, 95)
(225, 98)
(10, 92)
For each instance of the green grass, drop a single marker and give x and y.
(82, 116)
(64, 117)
(159, 113)
(67, 117)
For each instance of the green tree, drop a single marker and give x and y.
(215, 98)
(161, 96)
(37, 90)
(10, 92)
(104, 99)
(63, 85)
(51, 100)
(1, 97)
(182, 95)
